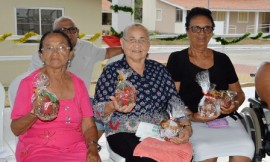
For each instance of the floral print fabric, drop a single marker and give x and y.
(154, 89)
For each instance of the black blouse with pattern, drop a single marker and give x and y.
(222, 73)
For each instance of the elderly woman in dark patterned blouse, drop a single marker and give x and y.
(154, 88)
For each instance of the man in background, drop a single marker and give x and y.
(86, 55)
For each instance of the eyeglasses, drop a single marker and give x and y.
(51, 49)
(133, 40)
(71, 30)
(198, 29)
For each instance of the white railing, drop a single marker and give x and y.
(261, 27)
(15, 58)
(232, 28)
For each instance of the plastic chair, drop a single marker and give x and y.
(5, 150)
(10, 138)
(2, 106)
(115, 58)
(13, 87)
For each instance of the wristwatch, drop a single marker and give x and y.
(94, 143)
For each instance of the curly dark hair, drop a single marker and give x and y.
(198, 11)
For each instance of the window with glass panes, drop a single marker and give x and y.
(158, 14)
(38, 20)
(220, 16)
(242, 17)
(179, 15)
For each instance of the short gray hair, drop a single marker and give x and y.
(62, 18)
(135, 25)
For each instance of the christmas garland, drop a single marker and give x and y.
(114, 33)
(221, 40)
(25, 37)
(94, 37)
(4, 36)
(117, 8)
(257, 36)
(266, 37)
(81, 35)
(181, 36)
(31, 34)
(236, 40)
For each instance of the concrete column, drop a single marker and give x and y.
(121, 19)
(149, 14)
(256, 23)
(227, 20)
(184, 21)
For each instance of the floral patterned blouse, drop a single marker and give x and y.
(154, 89)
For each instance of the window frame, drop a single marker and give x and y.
(106, 18)
(39, 16)
(243, 21)
(160, 11)
(181, 17)
(220, 16)
(263, 17)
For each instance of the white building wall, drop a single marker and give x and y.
(86, 13)
(149, 14)
(121, 19)
(178, 26)
(219, 29)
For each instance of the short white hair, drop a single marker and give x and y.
(135, 25)
(62, 18)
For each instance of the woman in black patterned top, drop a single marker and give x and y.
(154, 88)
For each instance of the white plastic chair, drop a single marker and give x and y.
(2, 106)
(10, 138)
(5, 151)
(115, 58)
(13, 87)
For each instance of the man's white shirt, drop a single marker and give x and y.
(85, 56)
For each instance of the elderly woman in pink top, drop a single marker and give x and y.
(72, 135)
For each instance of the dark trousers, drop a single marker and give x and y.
(124, 144)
